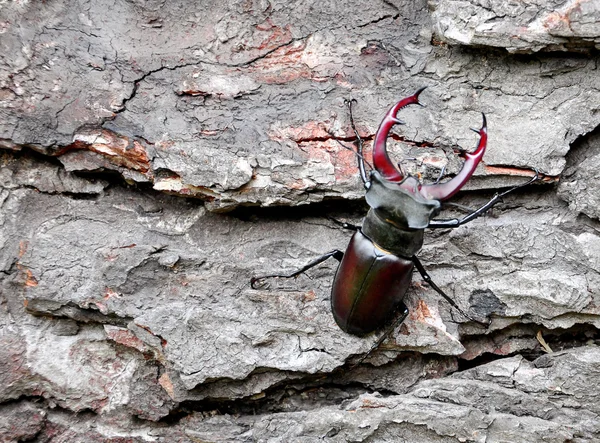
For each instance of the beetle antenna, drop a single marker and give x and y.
(404, 160)
(455, 223)
(360, 156)
(359, 150)
(441, 175)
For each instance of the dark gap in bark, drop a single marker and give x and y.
(37, 400)
(278, 399)
(27, 152)
(575, 51)
(70, 310)
(320, 391)
(578, 152)
(328, 208)
(557, 339)
(357, 209)
(107, 175)
(114, 178)
(48, 403)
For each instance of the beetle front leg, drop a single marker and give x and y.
(455, 222)
(437, 289)
(344, 225)
(256, 282)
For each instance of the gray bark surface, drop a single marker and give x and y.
(154, 156)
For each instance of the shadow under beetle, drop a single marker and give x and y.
(376, 270)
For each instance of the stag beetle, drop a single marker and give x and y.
(376, 270)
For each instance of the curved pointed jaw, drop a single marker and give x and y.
(381, 160)
(387, 169)
(443, 191)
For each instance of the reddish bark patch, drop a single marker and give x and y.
(309, 296)
(518, 172)
(126, 338)
(23, 245)
(345, 164)
(422, 311)
(25, 274)
(507, 170)
(560, 21)
(367, 403)
(285, 65)
(110, 293)
(166, 383)
(118, 149)
(273, 35)
(329, 151)
(210, 132)
(175, 185)
(310, 131)
(30, 280)
(315, 139)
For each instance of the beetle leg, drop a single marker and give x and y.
(257, 282)
(455, 222)
(344, 225)
(402, 314)
(437, 289)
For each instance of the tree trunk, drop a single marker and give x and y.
(158, 155)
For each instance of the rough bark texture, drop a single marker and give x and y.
(157, 155)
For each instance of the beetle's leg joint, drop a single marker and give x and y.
(344, 225)
(257, 282)
(338, 255)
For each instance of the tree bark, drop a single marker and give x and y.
(158, 155)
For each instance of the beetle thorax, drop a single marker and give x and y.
(398, 216)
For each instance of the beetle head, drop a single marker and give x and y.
(401, 204)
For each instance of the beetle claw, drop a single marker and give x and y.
(257, 282)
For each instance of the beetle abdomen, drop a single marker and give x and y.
(368, 286)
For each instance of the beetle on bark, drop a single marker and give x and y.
(376, 269)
